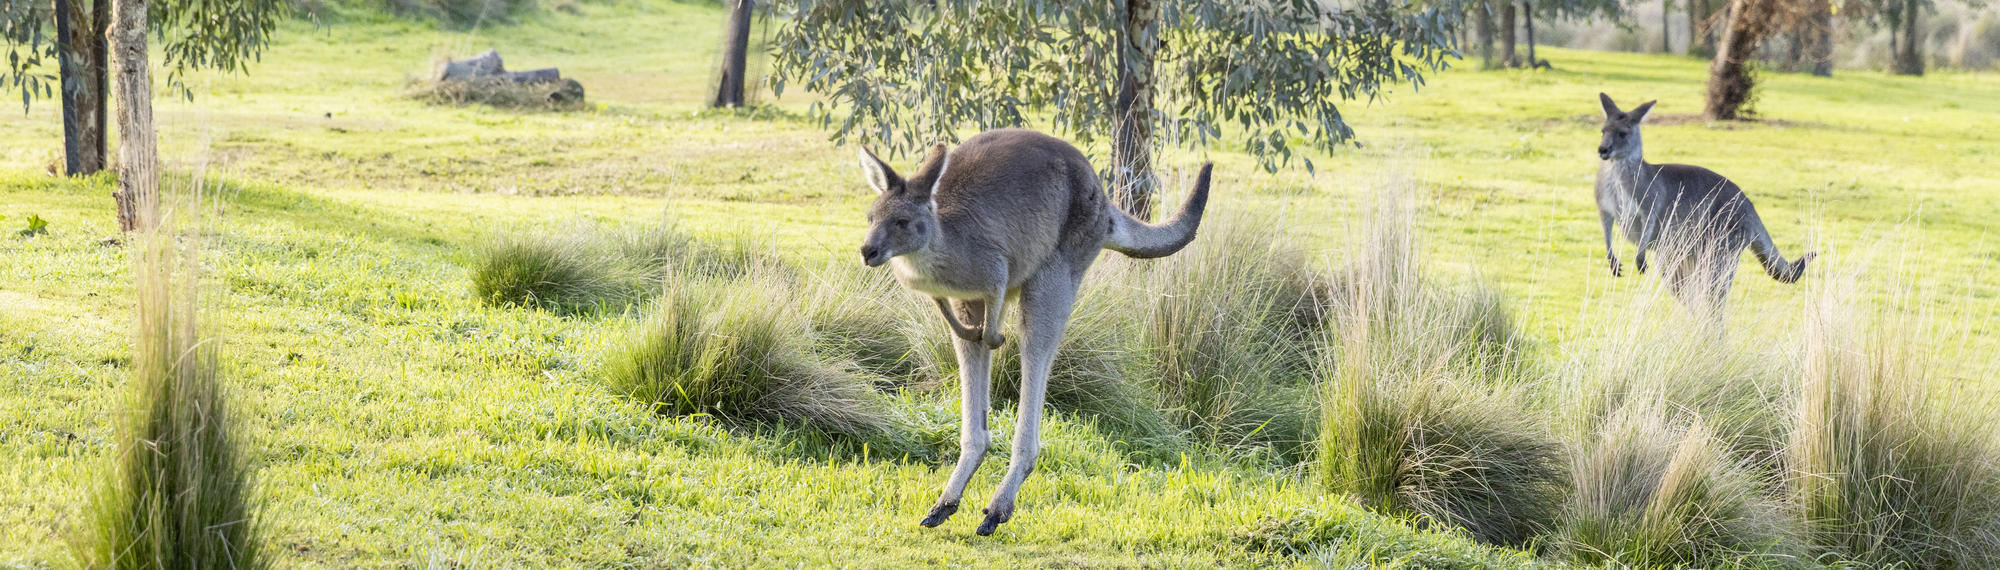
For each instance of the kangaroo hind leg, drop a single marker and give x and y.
(975, 367)
(1046, 302)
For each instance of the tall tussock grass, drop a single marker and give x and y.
(1228, 334)
(1420, 413)
(1741, 391)
(585, 268)
(1885, 468)
(739, 350)
(1651, 491)
(179, 492)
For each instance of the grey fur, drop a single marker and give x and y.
(1010, 216)
(1699, 221)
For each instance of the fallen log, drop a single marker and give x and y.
(483, 65)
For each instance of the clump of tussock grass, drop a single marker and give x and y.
(1227, 335)
(565, 95)
(1651, 492)
(1420, 411)
(570, 271)
(179, 491)
(1885, 470)
(739, 350)
(585, 268)
(866, 317)
(1742, 392)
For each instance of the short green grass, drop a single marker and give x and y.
(397, 420)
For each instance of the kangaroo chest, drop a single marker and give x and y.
(931, 275)
(1621, 192)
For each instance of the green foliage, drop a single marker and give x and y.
(36, 226)
(24, 26)
(1651, 493)
(191, 35)
(902, 74)
(178, 492)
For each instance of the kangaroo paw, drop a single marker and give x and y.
(974, 335)
(993, 520)
(994, 339)
(939, 514)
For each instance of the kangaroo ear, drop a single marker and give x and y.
(934, 167)
(1639, 112)
(1610, 108)
(877, 173)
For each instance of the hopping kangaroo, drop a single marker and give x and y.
(1011, 216)
(1699, 221)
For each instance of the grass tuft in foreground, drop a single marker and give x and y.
(738, 350)
(1418, 413)
(178, 493)
(1886, 469)
(569, 272)
(1228, 335)
(1651, 493)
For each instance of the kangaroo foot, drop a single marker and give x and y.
(993, 520)
(939, 514)
(994, 339)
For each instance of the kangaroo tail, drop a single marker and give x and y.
(1139, 239)
(1773, 260)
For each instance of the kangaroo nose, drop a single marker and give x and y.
(868, 254)
(1604, 152)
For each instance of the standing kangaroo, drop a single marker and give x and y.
(1697, 219)
(1010, 216)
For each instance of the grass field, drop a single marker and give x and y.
(398, 421)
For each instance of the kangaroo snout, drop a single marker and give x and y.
(1604, 153)
(872, 256)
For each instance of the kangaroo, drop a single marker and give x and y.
(1699, 220)
(1011, 216)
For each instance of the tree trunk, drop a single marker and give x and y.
(1507, 27)
(1795, 51)
(1910, 55)
(735, 56)
(138, 158)
(80, 55)
(1666, 26)
(1729, 81)
(1485, 15)
(1132, 137)
(1822, 39)
(1695, 10)
(1528, 20)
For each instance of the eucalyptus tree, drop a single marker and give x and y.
(224, 35)
(735, 55)
(1142, 73)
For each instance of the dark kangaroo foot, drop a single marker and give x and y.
(993, 520)
(939, 514)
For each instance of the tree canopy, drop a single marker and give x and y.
(907, 72)
(223, 35)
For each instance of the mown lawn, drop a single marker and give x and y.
(400, 422)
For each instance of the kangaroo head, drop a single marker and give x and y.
(1621, 130)
(904, 217)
